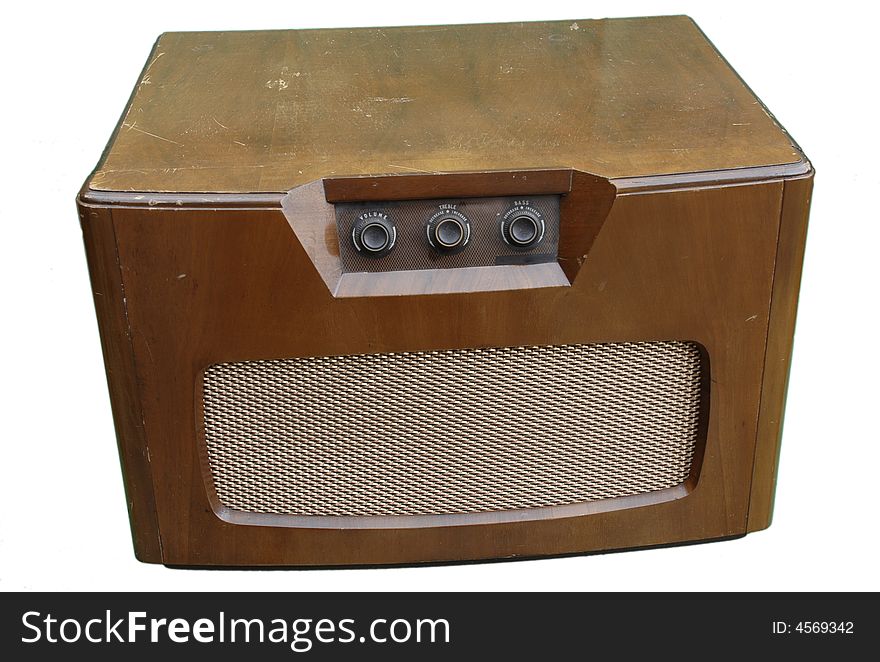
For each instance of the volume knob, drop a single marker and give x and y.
(374, 234)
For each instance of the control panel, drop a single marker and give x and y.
(447, 234)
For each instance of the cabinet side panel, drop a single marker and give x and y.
(107, 292)
(786, 285)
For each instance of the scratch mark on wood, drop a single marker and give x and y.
(391, 165)
(150, 66)
(133, 127)
(149, 351)
(391, 99)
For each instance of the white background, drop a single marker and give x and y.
(67, 71)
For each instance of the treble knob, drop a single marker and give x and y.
(449, 231)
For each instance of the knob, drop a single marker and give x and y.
(522, 227)
(449, 231)
(374, 234)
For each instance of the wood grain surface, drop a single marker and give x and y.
(268, 111)
(125, 393)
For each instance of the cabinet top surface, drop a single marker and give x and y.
(266, 111)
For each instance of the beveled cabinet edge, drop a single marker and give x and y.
(99, 238)
(623, 185)
(393, 522)
(790, 248)
(396, 522)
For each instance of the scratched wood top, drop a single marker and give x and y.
(267, 111)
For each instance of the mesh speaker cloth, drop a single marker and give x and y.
(457, 431)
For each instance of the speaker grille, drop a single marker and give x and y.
(458, 431)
